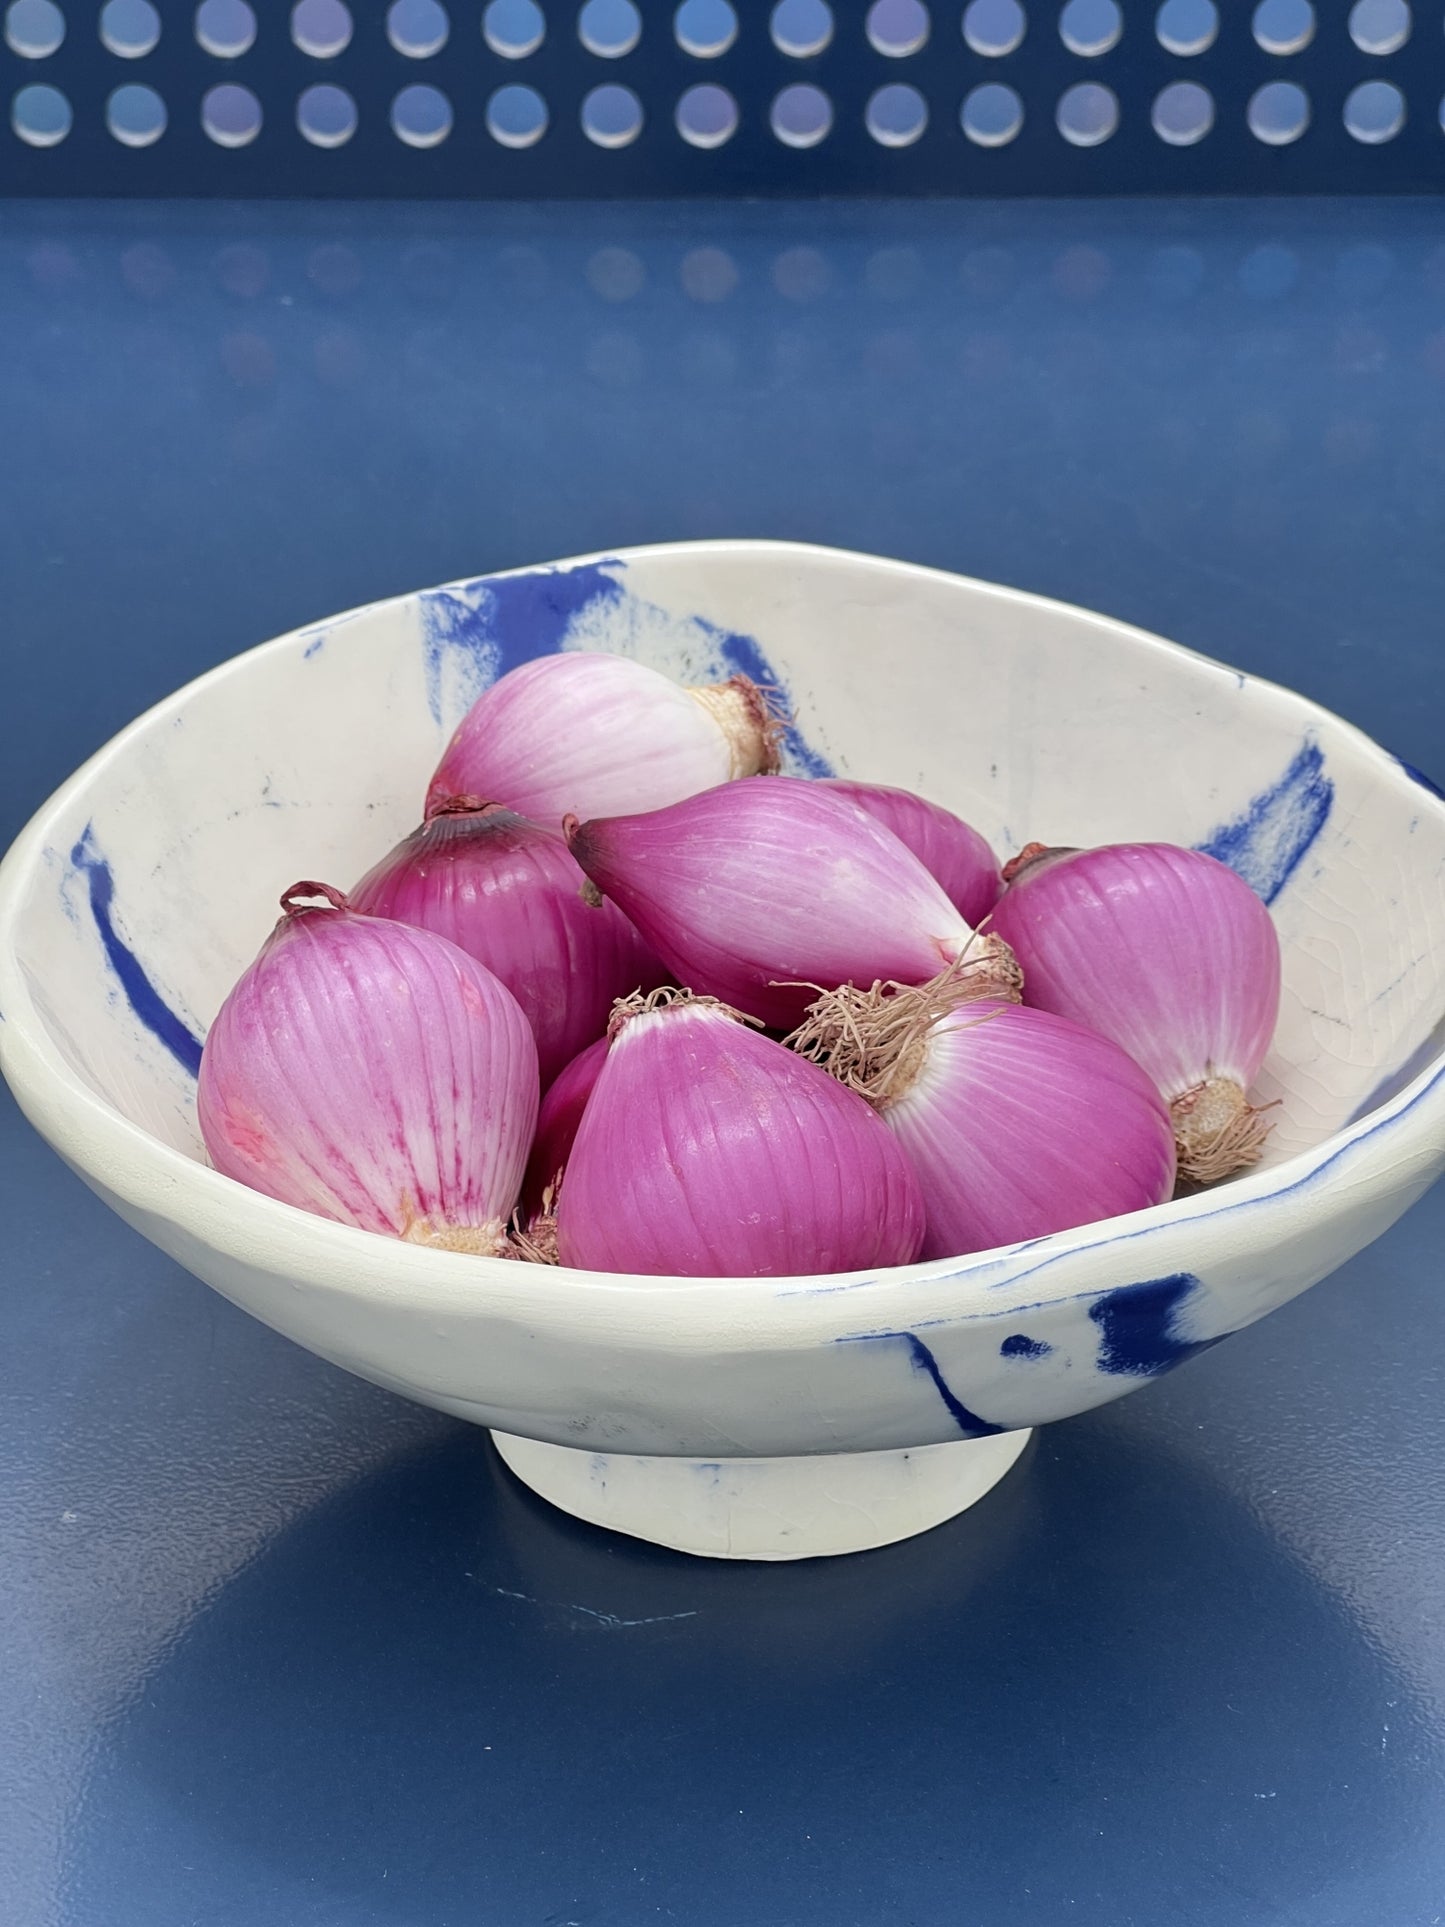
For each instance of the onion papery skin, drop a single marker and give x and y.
(706, 1150)
(514, 898)
(591, 734)
(1019, 1123)
(759, 893)
(557, 1124)
(954, 854)
(375, 1075)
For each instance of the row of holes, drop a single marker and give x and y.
(991, 116)
(1081, 271)
(705, 28)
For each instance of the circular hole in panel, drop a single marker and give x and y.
(802, 116)
(801, 28)
(992, 115)
(1268, 273)
(708, 274)
(609, 28)
(1183, 113)
(326, 116)
(136, 116)
(994, 27)
(1284, 26)
(41, 116)
(321, 28)
(897, 28)
(612, 116)
(616, 274)
(896, 116)
(1374, 112)
(1091, 27)
(1380, 26)
(1187, 26)
(417, 28)
(707, 116)
(129, 28)
(421, 116)
(225, 29)
(1279, 112)
(516, 116)
(231, 115)
(705, 28)
(801, 274)
(514, 28)
(1088, 114)
(242, 270)
(34, 29)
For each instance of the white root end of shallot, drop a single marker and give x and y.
(669, 997)
(874, 1040)
(751, 722)
(1217, 1131)
(474, 1240)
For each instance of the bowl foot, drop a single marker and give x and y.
(807, 1508)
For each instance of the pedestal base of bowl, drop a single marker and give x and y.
(807, 1508)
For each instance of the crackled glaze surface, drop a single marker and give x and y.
(127, 909)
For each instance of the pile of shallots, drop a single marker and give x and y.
(777, 1026)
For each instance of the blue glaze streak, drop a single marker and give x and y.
(140, 993)
(922, 1360)
(501, 621)
(1018, 1346)
(743, 657)
(1419, 776)
(498, 622)
(1266, 844)
(1136, 1325)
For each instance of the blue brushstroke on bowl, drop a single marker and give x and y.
(1019, 1345)
(743, 657)
(140, 993)
(1138, 1338)
(1419, 776)
(497, 622)
(1266, 844)
(970, 1425)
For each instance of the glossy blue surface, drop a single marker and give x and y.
(283, 1649)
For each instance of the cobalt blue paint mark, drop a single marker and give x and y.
(1266, 844)
(1018, 1346)
(1419, 776)
(1136, 1323)
(501, 621)
(140, 993)
(504, 620)
(314, 647)
(744, 658)
(922, 1360)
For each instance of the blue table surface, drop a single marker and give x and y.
(280, 1648)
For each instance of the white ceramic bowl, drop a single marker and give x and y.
(714, 1414)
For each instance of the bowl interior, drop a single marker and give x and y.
(156, 873)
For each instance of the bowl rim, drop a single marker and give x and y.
(158, 1181)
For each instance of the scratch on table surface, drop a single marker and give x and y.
(612, 1621)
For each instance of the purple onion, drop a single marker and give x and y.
(759, 893)
(951, 851)
(1017, 1123)
(590, 734)
(373, 1074)
(512, 897)
(708, 1151)
(557, 1125)
(1175, 958)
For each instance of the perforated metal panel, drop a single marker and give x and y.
(633, 97)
